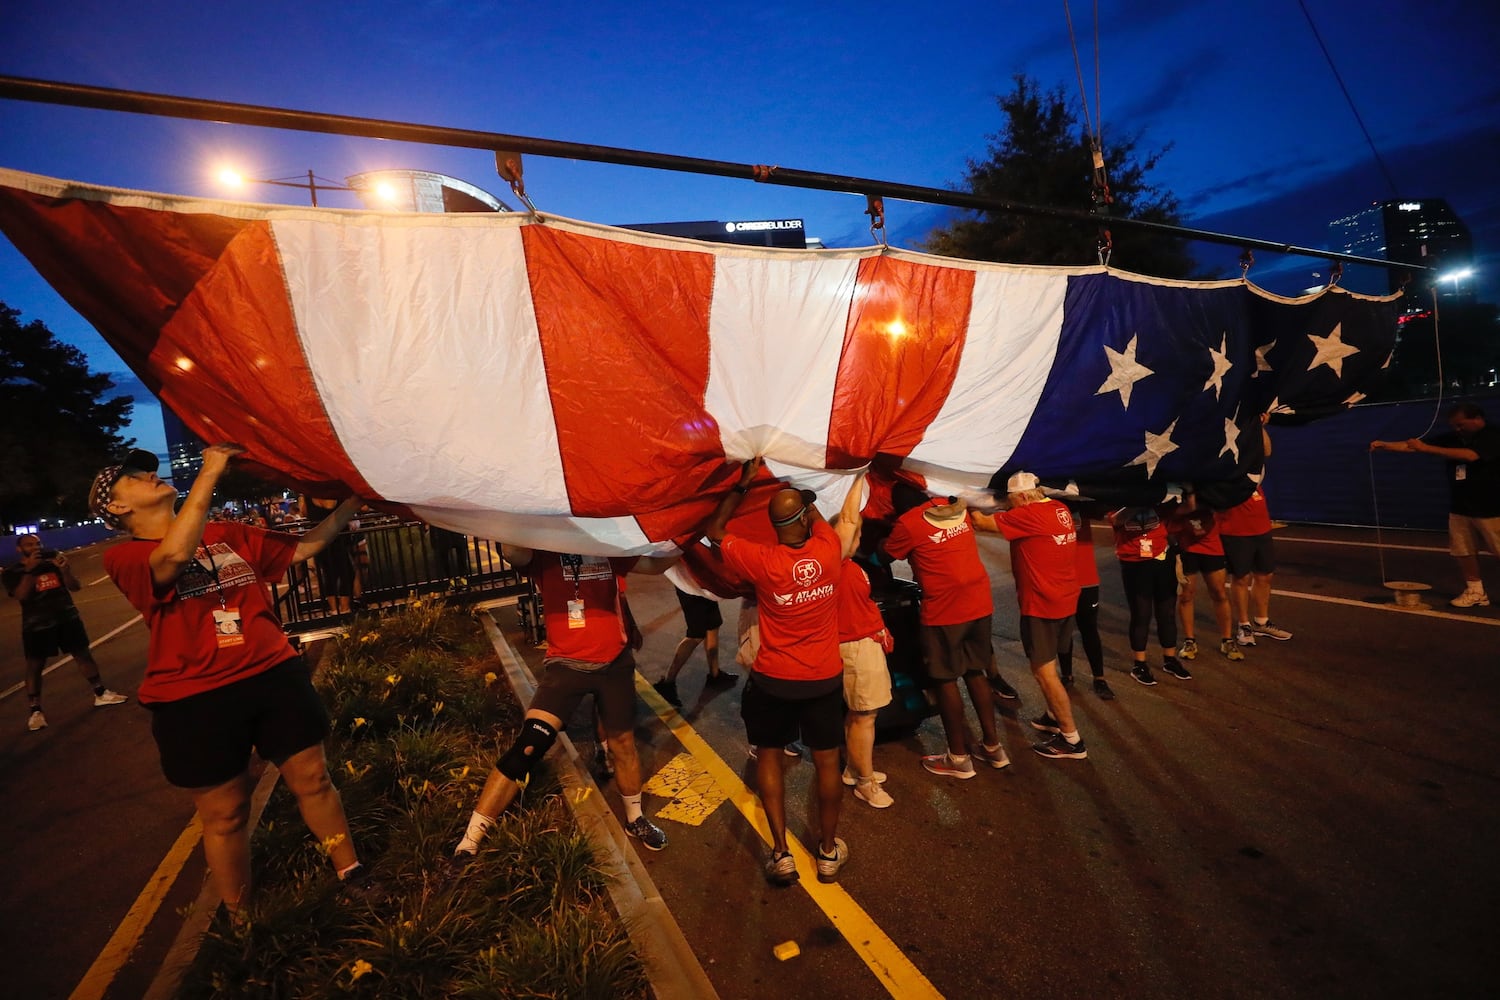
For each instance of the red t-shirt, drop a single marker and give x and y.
(859, 618)
(1084, 563)
(1140, 534)
(796, 589)
(945, 561)
(581, 604)
(1197, 532)
(1043, 557)
(1247, 519)
(213, 625)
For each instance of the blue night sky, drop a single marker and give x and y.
(1263, 143)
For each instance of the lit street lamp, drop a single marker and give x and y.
(232, 178)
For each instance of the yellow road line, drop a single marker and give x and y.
(895, 971)
(117, 952)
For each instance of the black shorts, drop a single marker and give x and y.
(564, 682)
(205, 739)
(952, 651)
(1201, 562)
(772, 721)
(1246, 554)
(1043, 638)
(700, 613)
(64, 637)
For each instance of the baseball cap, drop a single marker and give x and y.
(1020, 482)
(138, 460)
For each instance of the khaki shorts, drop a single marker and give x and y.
(1461, 531)
(867, 680)
(749, 645)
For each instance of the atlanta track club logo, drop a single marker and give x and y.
(806, 572)
(1063, 517)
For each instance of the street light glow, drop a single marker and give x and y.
(1460, 275)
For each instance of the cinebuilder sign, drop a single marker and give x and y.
(754, 232)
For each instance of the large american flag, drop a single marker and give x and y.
(582, 388)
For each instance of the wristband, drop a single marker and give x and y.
(741, 490)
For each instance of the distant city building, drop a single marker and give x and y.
(422, 191)
(1426, 232)
(184, 449)
(751, 232)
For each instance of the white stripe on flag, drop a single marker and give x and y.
(423, 343)
(776, 333)
(1014, 326)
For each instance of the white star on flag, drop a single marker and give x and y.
(1158, 447)
(1354, 399)
(1231, 440)
(1124, 372)
(1261, 364)
(1222, 364)
(1331, 350)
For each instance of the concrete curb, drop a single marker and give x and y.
(675, 971)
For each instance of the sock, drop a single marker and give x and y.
(1073, 737)
(479, 825)
(348, 870)
(1261, 621)
(632, 807)
(959, 758)
(98, 687)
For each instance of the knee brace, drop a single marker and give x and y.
(531, 745)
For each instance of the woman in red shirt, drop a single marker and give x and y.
(1150, 578)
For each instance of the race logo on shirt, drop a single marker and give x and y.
(216, 567)
(578, 568)
(806, 573)
(943, 534)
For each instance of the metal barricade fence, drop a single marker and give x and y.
(397, 560)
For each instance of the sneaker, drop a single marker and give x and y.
(828, 867)
(1142, 675)
(995, 757)
(668, 691)
(109, 698)
(1244, 636)
(781, 869)
(946, 764)
(1471, 599)
(873, 795)
(1271, 631)
(36, 720)
(722, 679)
(1188, 650)
(651, 836)
(1056, 746)
(1002, 689)
(1103, 690)
(604, 760)
(1174, 667)
(851, 779)
(1230, 649)
(1046, 723)
(793, 749)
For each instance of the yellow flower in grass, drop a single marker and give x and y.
(358, 969)
(437, 707)
(393, 679)
(459, 775)
(490, 678)
(359, 721)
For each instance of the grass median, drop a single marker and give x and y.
(418, 710)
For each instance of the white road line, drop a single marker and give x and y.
(68, 659)
(1425, 612)
(1362, 545)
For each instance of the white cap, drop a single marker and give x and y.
(1021, 482)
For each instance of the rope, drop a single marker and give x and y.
(1384, 170)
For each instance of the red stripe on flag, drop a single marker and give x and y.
(902, 348)
(126, 270)
(624, 336)
(232, 368)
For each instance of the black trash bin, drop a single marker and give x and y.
(900, 603)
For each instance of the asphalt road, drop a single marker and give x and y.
(1317, 820)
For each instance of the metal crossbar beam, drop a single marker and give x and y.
(110, 99)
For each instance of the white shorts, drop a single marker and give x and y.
(867, 679)
(1461, 532)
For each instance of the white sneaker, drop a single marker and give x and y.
(36, 720)
(109, 698)
(871, 793)
(1471, 599)
(996, 758)
(851, 779)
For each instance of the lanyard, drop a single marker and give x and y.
(572, 565)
